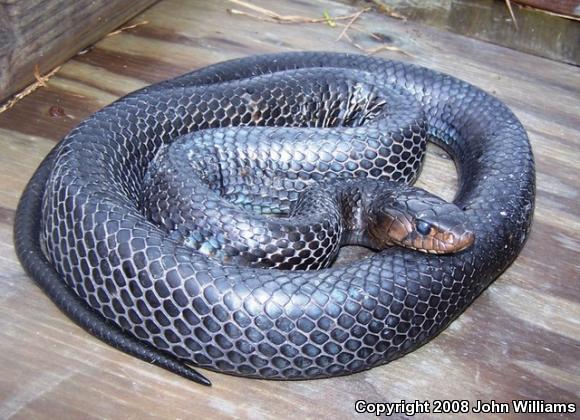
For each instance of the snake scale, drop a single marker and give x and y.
(82, 233)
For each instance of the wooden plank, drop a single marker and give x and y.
(45, 33)
(534, 31)
(563, 7)
(519, 340)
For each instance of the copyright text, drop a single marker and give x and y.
(410, 408)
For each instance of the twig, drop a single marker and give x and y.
(349, 24)
(39, 79)
(125, 28)
(514, 20)
(375, 50)
(242, 13)
(362, 31)
(255, 8)
(385, 47)
(40, 82)
(387, 10)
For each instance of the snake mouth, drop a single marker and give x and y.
(455, 243)
(445, 242)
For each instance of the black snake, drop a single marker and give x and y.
(84, 228)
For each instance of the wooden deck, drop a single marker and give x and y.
(519, 340)
(43, 33)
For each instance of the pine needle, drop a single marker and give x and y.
(511, 10)
(125, 28)
(40, 82)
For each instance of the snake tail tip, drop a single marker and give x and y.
(196, 377)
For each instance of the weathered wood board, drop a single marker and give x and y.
(533, 31)
(45, 33)
(519, 340)
(563, 7)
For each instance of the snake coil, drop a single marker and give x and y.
(127, 282)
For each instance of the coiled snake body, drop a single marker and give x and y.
(100, 258)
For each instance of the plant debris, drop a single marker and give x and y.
(336, 21)
(40, 82)
(329, 20)
(378, 49)
(271, 16)
(126, 28)
(511, 10)
(350, 22)
(383, 8)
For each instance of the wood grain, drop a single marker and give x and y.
(519, 340)
(534, 31)
(564, 7)
(48, 32)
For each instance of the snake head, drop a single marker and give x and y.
(413, 218)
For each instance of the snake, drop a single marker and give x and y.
(194, 222)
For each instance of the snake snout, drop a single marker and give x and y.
(463, 242)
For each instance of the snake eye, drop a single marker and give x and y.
(423, 227)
